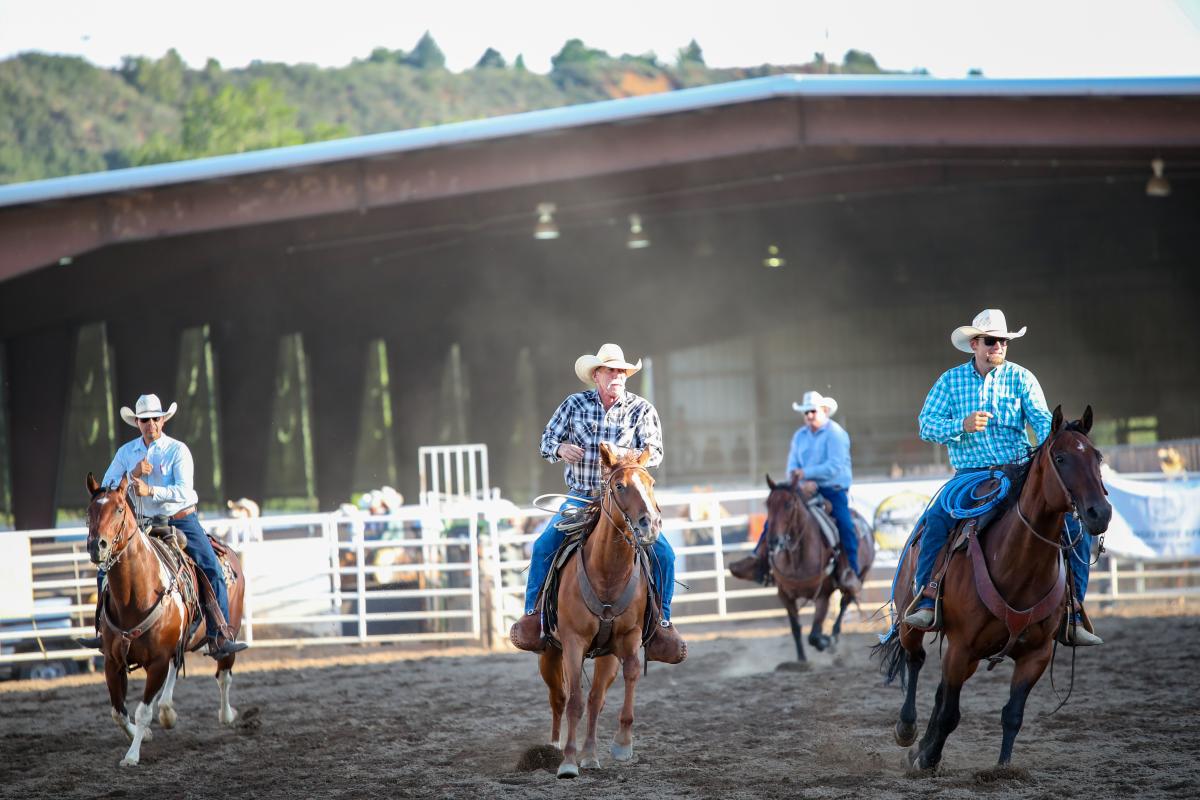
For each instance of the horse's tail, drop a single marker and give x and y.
(893, 660)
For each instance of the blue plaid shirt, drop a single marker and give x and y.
(1009, 392)
(631, 423)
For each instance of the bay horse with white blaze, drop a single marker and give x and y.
(803, 565)
(151, 613)
(1007, 594)
(608, 572)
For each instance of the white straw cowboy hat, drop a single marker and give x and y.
(814, 400)
(989, 322)
(244, 504)
(608, 355)
(148, 405)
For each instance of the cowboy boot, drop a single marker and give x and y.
(850, 583)
(1074, 634)
(753, 567)
(666, 645)
(526, 633)
(921, 619)
(222, 641)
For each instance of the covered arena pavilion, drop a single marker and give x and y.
(321, 311)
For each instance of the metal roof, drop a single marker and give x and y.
(566, 117)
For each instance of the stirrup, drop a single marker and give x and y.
(94, 643)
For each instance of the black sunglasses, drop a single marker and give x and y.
(992, 340)
(149, 419)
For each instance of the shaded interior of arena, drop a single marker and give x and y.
(443, 320)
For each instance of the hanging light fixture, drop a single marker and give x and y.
(774, 259)
(637, 237)
(545, 227)
(1158, 185)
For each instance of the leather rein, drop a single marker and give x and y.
(1015, 620)
(147, 623)
(607, 612)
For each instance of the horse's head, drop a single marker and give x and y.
(110, 522)
(785, 503)
(628, 485)
(1069, 453)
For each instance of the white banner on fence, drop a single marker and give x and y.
(1164, 516)
(894, 507)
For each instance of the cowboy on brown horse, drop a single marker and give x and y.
(605, 413)
(159, 470)
(820, 457)
(979, 410)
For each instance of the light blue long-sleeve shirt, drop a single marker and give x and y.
(170, 480)
(824, 455)
(1009, 392)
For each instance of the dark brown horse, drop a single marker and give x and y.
(150, 607)
(1006, 594)
(803, 566)
(609, 563)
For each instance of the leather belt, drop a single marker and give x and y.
(184, 512)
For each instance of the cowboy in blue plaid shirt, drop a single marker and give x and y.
(979, 411)
(605, 413)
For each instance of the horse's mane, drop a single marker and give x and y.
(1018, 473)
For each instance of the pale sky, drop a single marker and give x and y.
(1006, 38)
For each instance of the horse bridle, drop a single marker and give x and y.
(1048, 450)
(115, 554)
(607, 490)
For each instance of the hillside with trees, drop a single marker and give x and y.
(60, 115)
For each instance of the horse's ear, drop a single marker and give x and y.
(1086, 422)
(92, 487)
(608, 456)
(644, 457)
(770, 483)
(795, 480)
(123, 485)
(1057, 421)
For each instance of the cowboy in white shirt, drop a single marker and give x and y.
(160, 473)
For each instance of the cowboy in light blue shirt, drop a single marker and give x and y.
(160, 474)
(819, 456)
(979, 410)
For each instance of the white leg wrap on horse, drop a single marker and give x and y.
(166, 699)
(227, 713)
(142, 718)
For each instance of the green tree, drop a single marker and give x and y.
(491, 59)
(856, 61)
(576, 52)
(232, 120)
(162, 79)
(427, 54)
(692, 54)
(519, 63)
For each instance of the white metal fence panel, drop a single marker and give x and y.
(453, 474)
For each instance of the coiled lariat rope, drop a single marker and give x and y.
(961, 498)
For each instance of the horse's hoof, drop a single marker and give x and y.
(167, 717)
(906, 733)
(568, 770)
(227, 719)
(590, 762)
(128, 762)
(819, 642)
(622, 752)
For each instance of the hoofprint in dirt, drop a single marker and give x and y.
(726, 723)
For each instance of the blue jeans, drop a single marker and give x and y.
(838, 499)
(201, 551)
(662, 561)
(939, 523)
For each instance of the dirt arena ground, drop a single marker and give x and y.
(726, 724)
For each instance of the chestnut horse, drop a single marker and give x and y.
(150, 607)
(1018, 564)
(609, 562)
(801, 566)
